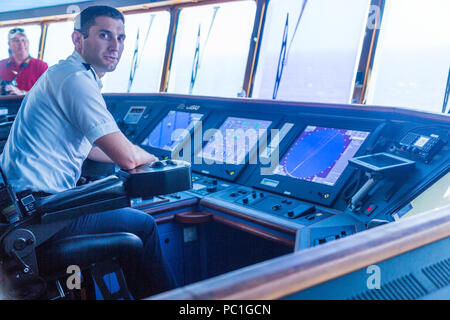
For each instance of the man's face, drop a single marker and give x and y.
(103, 48)
(19, 46)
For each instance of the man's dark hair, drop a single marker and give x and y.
(86, 19)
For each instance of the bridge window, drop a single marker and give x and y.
(411, 64)
(141, 65)
(33, 33)
(211, 49)
(310, 50)
(58, 43)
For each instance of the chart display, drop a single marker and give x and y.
(173, 130)
(321, 154)
(234, 139)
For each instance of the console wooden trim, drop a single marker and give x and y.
(167, 207)
(242, 215)
(254, 231)
(193, 217)
(165, 219)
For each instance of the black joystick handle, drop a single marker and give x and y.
(157, 164)
(158, 178)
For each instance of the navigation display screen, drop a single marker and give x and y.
(321, 154)
(234, 139)
(382, 160)
(172, 130)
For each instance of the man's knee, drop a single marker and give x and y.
(142, 220)
(149, 222)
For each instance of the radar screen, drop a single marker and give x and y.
(321, 154)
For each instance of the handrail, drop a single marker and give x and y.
(279, 277)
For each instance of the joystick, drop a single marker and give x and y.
(157, 164)
(157, 178)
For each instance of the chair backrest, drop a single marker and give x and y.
(6, 122)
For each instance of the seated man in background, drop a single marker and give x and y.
(20, 71)
(62, 121)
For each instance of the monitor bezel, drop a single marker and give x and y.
(228, 171)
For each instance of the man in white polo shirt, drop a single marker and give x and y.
(63, 120)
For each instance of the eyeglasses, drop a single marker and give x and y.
(16, 30)
(12, 34)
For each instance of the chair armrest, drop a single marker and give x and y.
(107, 188)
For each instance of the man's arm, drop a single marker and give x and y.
(115, 147)
(97, 154)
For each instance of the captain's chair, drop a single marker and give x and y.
(6, 122)
(29, 261)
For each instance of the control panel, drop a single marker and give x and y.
(420, 147)
(203, 185)
(132, 117)
(325, 171)
(282, 207)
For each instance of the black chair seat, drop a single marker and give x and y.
(55, 256)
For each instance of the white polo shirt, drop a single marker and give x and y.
(55, 128)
